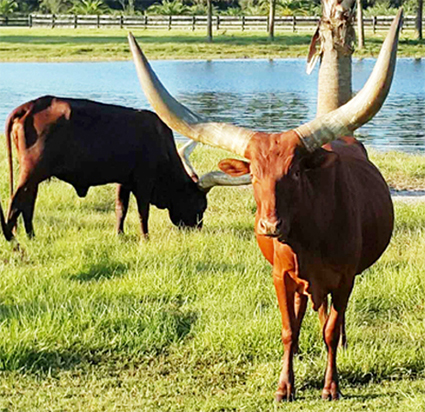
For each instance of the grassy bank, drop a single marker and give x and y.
(188, 321)
(24, 44)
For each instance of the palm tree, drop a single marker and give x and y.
(336, 41)
(89, 7)
(168, 8)
(7, 7)
(54, 6)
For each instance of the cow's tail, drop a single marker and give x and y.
(8, 132)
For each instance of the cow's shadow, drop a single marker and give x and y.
(36, 356)
(99, 272)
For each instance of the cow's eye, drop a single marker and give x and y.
(296, 174)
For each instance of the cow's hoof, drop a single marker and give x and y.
(331, 394)
(16, 247)
(285, 394)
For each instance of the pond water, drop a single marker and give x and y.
(270, 95)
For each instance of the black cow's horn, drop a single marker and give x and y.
(219, 178)
(184, 152)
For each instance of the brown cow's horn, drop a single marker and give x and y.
(219, 178)
(361, 108)
(180, 118)
(184, 152)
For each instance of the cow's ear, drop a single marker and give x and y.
(320, 158)
(234, 167)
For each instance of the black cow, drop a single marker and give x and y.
(86, 143)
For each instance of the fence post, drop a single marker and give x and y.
(374, 24)
(169, 22)
(75, 21)
(268, 23)
(6, 20)
(121, 21)
(193, 23)
(98, 21)
(53, 21)
(146, 21)
(218, 22)
(243, 23)
(294, 24)
(30, 20)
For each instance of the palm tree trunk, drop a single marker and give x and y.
(131, 7)
(336, 36)
(209, 21)
(360, 25)
(271, 19)
(419, 17)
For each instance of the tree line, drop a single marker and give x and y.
(193, 7)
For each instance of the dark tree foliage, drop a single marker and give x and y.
(27, 6)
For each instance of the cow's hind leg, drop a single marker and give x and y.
(286, 290)
(323, 317)
(121, 206)
(300, 308)
(331, 334)
(23, 201)
(28, 210)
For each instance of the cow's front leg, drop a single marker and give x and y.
(285, 291)
(121, 206)
(142, 192)
(331, 335)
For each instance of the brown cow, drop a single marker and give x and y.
(324, 212)
(86, 143)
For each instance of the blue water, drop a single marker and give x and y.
(260, 94)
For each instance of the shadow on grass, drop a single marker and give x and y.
(101, 271)
(240, 231)
(219, 268)
(171, 325)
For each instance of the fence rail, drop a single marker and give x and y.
(285, 23)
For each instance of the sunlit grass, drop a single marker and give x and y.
(188, 321)
(401, 170)
(24, 44)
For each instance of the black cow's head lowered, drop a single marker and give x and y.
(188, 203)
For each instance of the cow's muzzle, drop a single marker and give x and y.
(270, 228)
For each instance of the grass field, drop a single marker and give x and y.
(24, 44)
(188, 321)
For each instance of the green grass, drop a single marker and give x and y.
(401, 170)
(188, 321)
(24, 44)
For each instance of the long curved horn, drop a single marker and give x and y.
(219, 178)
(361, 108)
(184, 152)
(180, 118)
